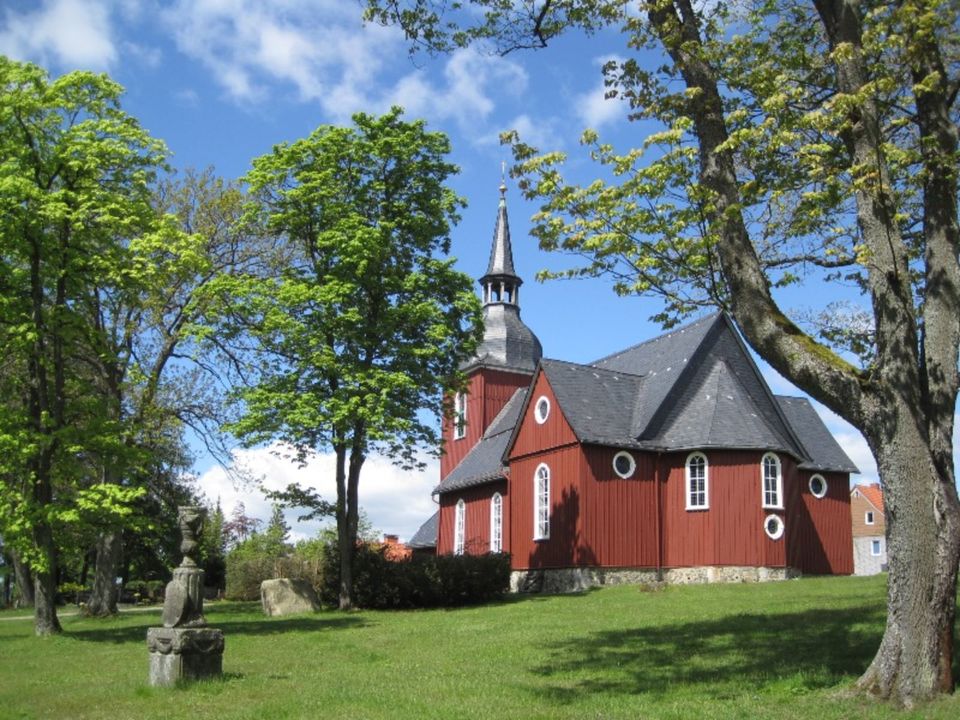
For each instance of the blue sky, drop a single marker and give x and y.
(222, 81)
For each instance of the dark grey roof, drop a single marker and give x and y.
(484, 463)
(822, 449)
(501, 251)
(507, 342)
(426, 536)
(661, 360)
(598, 404)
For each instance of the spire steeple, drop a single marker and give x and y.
(507, 342)
(501, 282)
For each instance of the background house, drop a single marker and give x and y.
(869, 529)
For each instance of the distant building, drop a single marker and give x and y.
(869, 526)
(670, 459)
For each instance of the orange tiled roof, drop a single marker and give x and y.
(873, 493)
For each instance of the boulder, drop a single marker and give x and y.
(284, 596)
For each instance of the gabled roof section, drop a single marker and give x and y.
(661, 360)
(484, 463)
(597, 403)
(426, 536)
(873, 493)
(822, 450)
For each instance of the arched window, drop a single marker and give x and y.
(541, 503)
(772, 481)
(459, 531)
(496, 523)
(697, 482)
(459, 416)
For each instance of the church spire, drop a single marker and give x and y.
(501, 282)
(507, 342)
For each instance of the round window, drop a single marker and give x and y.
(818, 486)
(773, 526)
(624, 464)
(541, 409)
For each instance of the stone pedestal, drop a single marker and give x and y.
(184, 654)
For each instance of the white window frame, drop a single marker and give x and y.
(459, 416)
(868, 518)
(633, 464)
(825, 486)
(459, 527)
(876, 548)
(541, 502)
(705, 505)
(496, 523)
(775, 534)
(777, 490)
(541, 417)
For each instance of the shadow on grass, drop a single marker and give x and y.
(814, 649)
(264, 626)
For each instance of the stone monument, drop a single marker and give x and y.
(185, 648)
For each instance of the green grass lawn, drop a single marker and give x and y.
(776, 650)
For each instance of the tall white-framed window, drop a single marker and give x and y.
(875, 548)
(698, 497)
(541, 502)
(496, 523)
(459, 527)
(868, 517)
(772, 481)
(459, 416)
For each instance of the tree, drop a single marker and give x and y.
(240, 527)
(74, 187)
(278, 531)
(155, 385)
(362, 326)
(796, 141)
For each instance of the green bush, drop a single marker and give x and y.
(261, 558)
(419, 582)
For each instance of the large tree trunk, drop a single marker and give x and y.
(103, 593)
(914, 662)
(24, 580)
(45, 585)
(345, 543)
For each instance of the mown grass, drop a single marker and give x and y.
(777, 650)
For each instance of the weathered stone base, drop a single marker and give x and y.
(184, 654)
(565, 580)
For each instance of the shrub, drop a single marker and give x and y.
(260, 558)
(419, 582)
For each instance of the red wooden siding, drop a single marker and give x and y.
(564, 547)
(477, 519)
(619, 515)
(819, 535)
(534, 437)
(487, 392)
(731, 531)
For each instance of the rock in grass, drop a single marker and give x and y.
(283, 596)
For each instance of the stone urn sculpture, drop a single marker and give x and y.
(185, 648)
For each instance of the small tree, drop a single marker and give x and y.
(363, 326)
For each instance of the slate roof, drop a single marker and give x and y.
(501, 251)
(426, 536)
(507, 342)
(597, 403)
(484, 463)
(823, 452)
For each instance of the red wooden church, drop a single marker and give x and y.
(669, 460)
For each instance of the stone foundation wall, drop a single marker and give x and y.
(566, 580)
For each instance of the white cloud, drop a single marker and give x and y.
(396, 501)
(593, 108)
(73, 33)
(323, 52)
